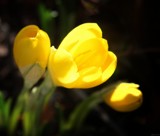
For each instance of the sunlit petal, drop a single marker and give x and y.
(86, 54)
(126, 97)
(109, 66)
(62, 67)
(80, 33)
(31, 51)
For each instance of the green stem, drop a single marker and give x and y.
(79, 114)
(38, 98)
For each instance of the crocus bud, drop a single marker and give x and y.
(126, 97)
(31, 51)
(82, 59)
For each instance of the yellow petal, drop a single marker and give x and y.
(29, 31)
(62, 67)
(86, 54)
(109, 66)
(90, 53)
(26, 54)
(31, 51)
(31, 45)
(89, 77)
(81, 33)
(126, 97)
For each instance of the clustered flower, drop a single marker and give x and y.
(82, 60)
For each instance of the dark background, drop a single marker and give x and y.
(132, 30)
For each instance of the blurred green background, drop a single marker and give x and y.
(132, 30)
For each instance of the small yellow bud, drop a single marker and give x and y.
(126, 97)
(31, 51)
(82, 59)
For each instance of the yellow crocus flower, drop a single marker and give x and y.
(31, 51)
(82, 59)
(126, 97)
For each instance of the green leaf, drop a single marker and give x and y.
(7, 109)
(17, 111)
(4, 110)
(1, 109)
(28, 123)
(15, 116)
